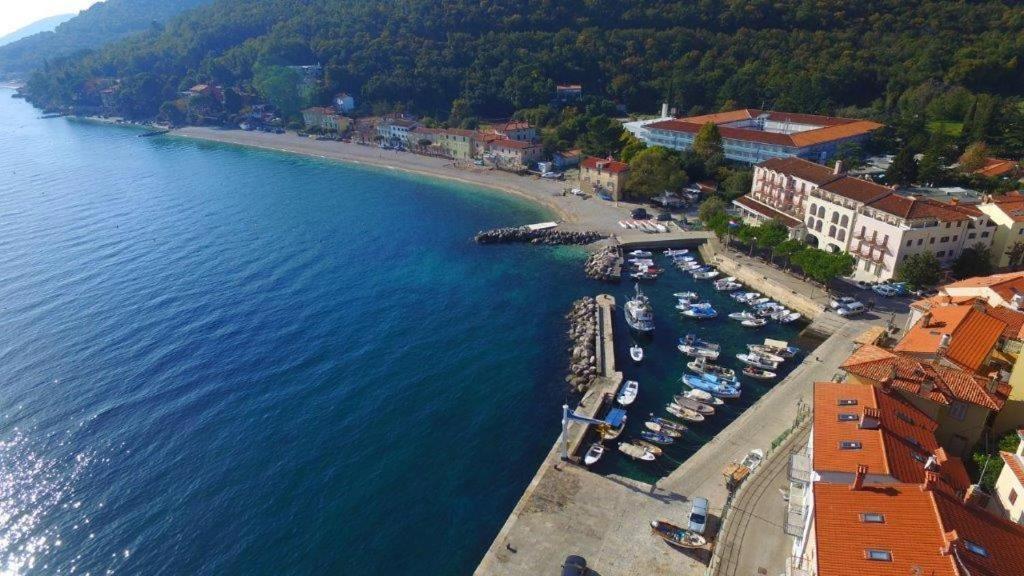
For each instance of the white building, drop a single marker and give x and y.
(395, 130)
(1010, 484)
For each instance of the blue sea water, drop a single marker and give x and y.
(216, 360)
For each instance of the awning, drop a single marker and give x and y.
(615, 417)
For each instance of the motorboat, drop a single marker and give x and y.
(684, 413)
(719, 389)
(670, 252)
(694, 340)
(643, 275)
(704, 397)
(650, 447)
(688, 296)
(700, 313)
(758, 301)
(745, 297)
(636, 353)
(641, 254)
(639, 314)
(698, 352)
(593, 454)
(753, 459)
(757, 361)
(771, 350)
(698, 407)
(791, 317)
(701, 366)
(676, 536)
(655, 427)
(628, 393)
(636, 452)
(656, 437)
(768, 352)
(755, 323)
(727, 286)
(758, 373)
(614, 424)
(667, 423)
(741, 316)
(706, 275)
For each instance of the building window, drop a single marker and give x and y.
(835, 217)
(872, 517)
(903, 416)
(947, 224)
(955, 237)
(984, 234)
(847, 402)
(1013, 496)
(971, 236)
(863, 231)
(958, 410)
(849, 445)
(844, 221)
(909, 242)
(841, 235)
(879, 555)
(821, 212)
(848, 417)
(931, 240)
(920, 241)
(814, 208)
(940, 253)
(944, 239)
(817, 226)
(832, 231)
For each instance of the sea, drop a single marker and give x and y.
(220, 360)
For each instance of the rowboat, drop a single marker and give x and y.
(755, 323)
(687, 414)
(700, 313)
(701, 366)
(655, 427)
(636, 452)
(698, 407)
(670, 252)
(696, 352)
(769, 352)
(707, 275)
(757, 361)
(758, 373)
(689, 296)
(741, 316)
(668, 423)
(694, 340)
(593, 454)
(713, 388)
(676, 536)
(705, 397)
(650, 447)
(641, 254)
(656, 437)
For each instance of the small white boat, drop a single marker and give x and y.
(701, 366)
(655, 427)
(689, 296)
(753, 459)
(636, 353)
(636, 452)
(755, 323)
(641, 254)
(628, 393)
(698, 407)
(763, 351)
(757, 361)
(684, 413)
(791, 317)
(741, 316)
(594, 453)
(650, 447)
(700, 313)
(704, 397)
(661, 228)
(697, 352)
(706, 275)
(759, 301)
(727, 286)
(758, 373)
(670, 252)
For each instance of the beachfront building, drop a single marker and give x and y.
(516, 130)
(1007, 212)
(753, 136)
(566, 159)
(325, 119)
(344, 102)
(459, 144)
(395, 131)
(1009, 487)
(603, 175)
(513, 154)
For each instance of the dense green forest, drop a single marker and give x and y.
(926, 61)
(102, 23)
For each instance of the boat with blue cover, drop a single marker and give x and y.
(718, 389)
(656, 437)
(614, 424)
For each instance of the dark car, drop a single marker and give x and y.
(664, 216)
(640, 214)
(574, 566)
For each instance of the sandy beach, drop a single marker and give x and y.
(575, 212)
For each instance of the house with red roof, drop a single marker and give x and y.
(1009, 487)
(1007, 212)
(603, 175)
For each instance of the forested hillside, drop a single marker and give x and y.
(102, 23)
(489, 58)
(44, 25)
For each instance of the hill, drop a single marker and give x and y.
(102, 23)
(43, 25)
(460, 59)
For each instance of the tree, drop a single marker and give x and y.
(919, 270)
(278, 85)
(973, 261)
(788, 248)
(772, 234)
(707, 144)
(990, 462)
(735, 183)
(973, 157)
(710, 208)
(903, 169)
(631, 146)
(602, 136)
(748, 235)
(1016, 255)
(653, 171)
(823, 266)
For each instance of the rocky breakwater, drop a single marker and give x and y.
(582, 319)
(604, 265)
(548, 237)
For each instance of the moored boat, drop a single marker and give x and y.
(668, 423)
(636, 452)
(650, 447)
(714, 388)
(702, 366)
(641, 254)
(753, 459)
(627, 394)
(658, 428)
(614, 424)
(757, 361)
(688, 296)
(683, 412)
(698, 407)
(741, 316)
(696, 352)
(755, 323)
(766, 352)
(593, 454)
(636, 353)
(705, 397)
(758, 373)
(639, 314)
(700, 313)
(675, 535)
(656, 437)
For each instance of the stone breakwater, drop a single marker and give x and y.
(582, 319)
(548, 237)
(603, 265)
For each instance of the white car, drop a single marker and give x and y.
(851, 309)
(885, 290)
(838, 303)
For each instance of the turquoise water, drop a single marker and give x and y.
(217, 360)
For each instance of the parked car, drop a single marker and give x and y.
(887, 290)
(640, 214)
(698, 516)
(851, 309)
(841, 301)
(664, 216)
(574, 566)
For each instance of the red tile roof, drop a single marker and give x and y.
(829, 128)
(857, 189)
(898, 447)
(766, 211)
(915, 208)
(1014, 463)
(802, 169)
(605, 164)
(512, 144)
(973, 334)
(995, 167)
(1005, 285)
(1001, 540)
(934, 382)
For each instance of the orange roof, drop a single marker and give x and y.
(898, 446)
(1006, 285)
(1014, 463)
(934, 382)
(1012, 204)
(995, 167)
(973, 334)
(925, 531)
(766, 211)
(1014, 320)
(802, 169)
(940, 300)
(606, 164)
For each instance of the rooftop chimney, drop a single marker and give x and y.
(944, 342)
(932, 464)
(926, 319)
(954, 201)
(952, 539)
(870, 418)
(975, 497)
(927, 385)
(931, 480)
(838, 168)
(1017, 300)
(993, 382)
(858, 479)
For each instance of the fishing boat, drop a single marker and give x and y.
(639, 314)
(670, 252)
(684, 259)
(636, 452)
(706, 275)
(753, 459)
(690, 266)
(702, 366)
(704, 397)
(676, 536)
(755, 323)
(668, 423)
(791, 317)
(684, 413)
(656, 437)
(688, 296)
(614, 424)
(698, 407)
(655, 427)
(767, 352)
(628, 393)
(758, 373)
(727, 286)
(641, 254)
(594, 453)
(741, 316)
(636, 353)
(719, 389)
(694, 340)
(781, 349)
(641, 261)
(698, 352)
(757, 361)
(700, 312)
(650, 447)
(758, 301)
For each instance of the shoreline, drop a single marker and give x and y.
(573, 212)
